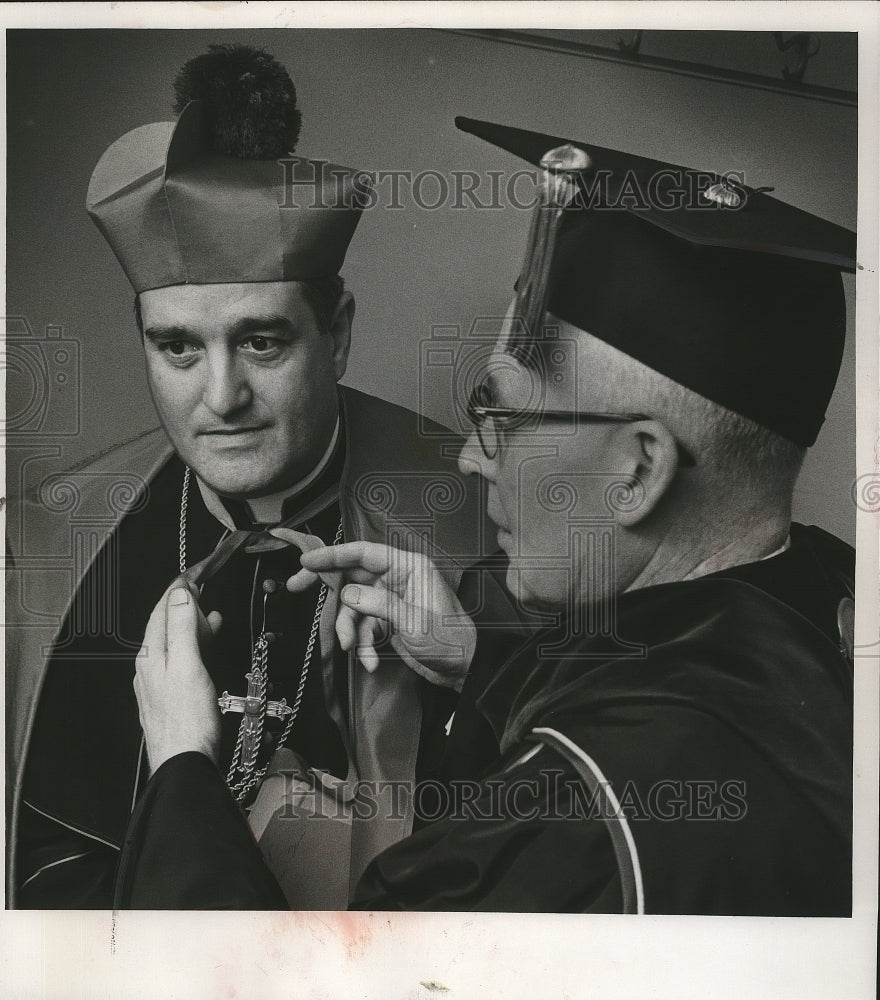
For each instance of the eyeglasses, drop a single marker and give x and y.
(490, 421)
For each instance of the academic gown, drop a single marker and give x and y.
(719, 713)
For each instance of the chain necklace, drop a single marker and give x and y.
(243, 774)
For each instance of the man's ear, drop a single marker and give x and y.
(648, 457)
(340, 332)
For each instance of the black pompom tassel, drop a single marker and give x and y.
(249, 101)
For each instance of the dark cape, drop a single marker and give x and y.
(86, 761)
(719, 713)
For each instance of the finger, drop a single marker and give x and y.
(204, 632)
(334, 579)
(305, 578)
(183, 581)
(181, 636)
(370, 556)
(366, 651)
(301, 580)
(302, 541)
(155, 630)
(380, 603)
(346, 627)
(215, 622)
(186, 580)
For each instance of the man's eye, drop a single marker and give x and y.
(260, 345)
(177, 349)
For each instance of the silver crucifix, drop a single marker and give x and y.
(249, 706)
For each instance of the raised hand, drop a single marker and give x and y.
(177, 702)
(387, 589)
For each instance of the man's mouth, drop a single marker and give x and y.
(502, 534)
(496, 518)
(232, 431)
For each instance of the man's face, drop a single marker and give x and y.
(243, 380)
(548, 481)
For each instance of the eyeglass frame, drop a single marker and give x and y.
(478, 414)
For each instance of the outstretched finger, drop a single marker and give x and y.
(302, 580)
(370, 556)
(305, 578)
(302, 541)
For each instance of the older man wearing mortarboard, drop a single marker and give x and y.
(682, 741)
(233, 249)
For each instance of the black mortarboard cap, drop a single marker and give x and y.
(716, 285)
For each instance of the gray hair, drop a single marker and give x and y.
(734, 453)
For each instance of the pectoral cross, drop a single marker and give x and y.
(252, 723)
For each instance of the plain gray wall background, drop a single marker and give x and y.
(386, 99)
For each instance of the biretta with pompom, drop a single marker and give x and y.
(217, 195)
(718, 286)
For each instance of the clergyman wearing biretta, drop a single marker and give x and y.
(233, 246)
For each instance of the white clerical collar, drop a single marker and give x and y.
(702, 571)
(786, 545)
(770, 555)
(267, 509)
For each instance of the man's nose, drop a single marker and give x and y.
(227, 389)
(472, 459)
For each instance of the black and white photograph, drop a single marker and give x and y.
(442, 500)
